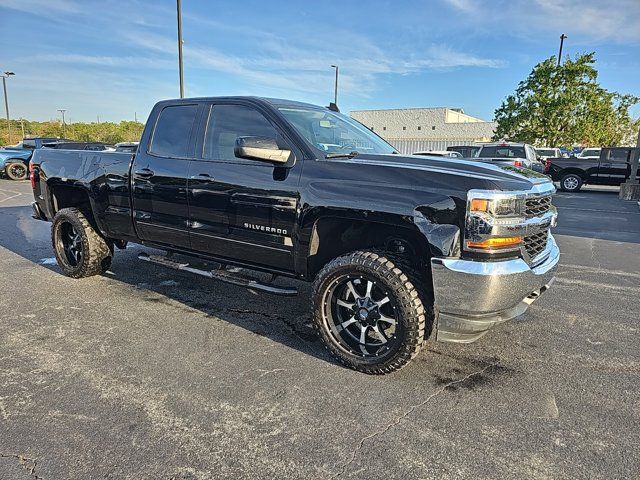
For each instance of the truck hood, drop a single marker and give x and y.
(502, 177)
(18, 153)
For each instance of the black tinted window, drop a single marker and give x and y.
(173, 131)
(227, 123)
(502, 152)
(619, 155)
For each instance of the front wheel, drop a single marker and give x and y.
(368, 312)
(571, 183)
(80, 250)
(16, 171)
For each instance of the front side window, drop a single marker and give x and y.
(227, 123)
(172, 135)
(334, 133)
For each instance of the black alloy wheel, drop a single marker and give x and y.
(79, 248)
(369, 312)
(361, 315)
(17, 171)
(71, 244)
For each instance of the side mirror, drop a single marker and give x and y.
(261, 148)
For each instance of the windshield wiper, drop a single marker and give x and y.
(342, 155)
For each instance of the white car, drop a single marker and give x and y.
(590, 153)
(440, 153)
(548, 152)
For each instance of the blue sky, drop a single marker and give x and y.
(117, 58)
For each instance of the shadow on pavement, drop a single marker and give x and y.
(281, 319)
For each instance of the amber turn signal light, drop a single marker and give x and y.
(479, 205)
(496, 242)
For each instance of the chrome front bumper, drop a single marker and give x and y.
(473, 296)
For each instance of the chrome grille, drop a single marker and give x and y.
(536, 206)
(535, 244)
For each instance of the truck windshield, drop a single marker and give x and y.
(502, 151)
(334, 133)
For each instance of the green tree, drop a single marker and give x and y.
(564, 106)
(107, 132)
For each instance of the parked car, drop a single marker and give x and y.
(14, 159)
(507, 153)
(611, 167)
(467, 151)
(440, 153)
(127, 147)
(548, 152)
(398, 248)
(589, 153)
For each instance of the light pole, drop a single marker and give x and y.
(179, 7)
(6, 101)
(562, 37)
(335, 95)
(62, 110)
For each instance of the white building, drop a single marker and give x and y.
(418, 129)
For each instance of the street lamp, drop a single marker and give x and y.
(562, 37)
(62, 110)
(179, 8)
(6, 101)
(335, 95)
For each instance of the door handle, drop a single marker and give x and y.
(202, 176)
(144, 172)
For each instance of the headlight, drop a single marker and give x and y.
(497, 207)
(490, 215)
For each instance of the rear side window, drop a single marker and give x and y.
(172, 135)
(227, 123)
(505, 151)
(619, 155)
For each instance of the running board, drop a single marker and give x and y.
(222, 275)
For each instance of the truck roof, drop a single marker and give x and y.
(276, 102)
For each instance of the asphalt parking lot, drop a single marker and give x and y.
(150, 373)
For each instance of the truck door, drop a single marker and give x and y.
(159, 176)
(242, 209)
(614, 165)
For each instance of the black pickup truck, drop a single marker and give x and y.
(398, 248)
(613, 167)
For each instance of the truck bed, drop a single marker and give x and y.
(78, 164)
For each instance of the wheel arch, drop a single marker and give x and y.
(61, 196)
(573, 170)
(416, 238)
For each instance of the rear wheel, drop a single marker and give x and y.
(80, 250)
(571, 182)
(368, 312)
(17, 171)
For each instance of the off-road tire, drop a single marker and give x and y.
(577, 181)
(18, 166)
(97, 253)
(411, 311)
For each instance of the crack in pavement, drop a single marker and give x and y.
(294, 327)
(23, 463)
(408, 412)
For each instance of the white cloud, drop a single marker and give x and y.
(591, 21)
(305, 67)
(464, 5)
(45, 8)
